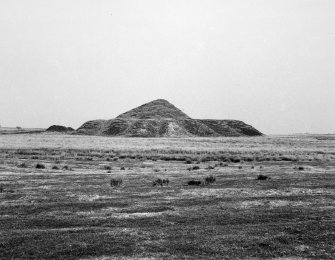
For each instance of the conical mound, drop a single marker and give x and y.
(159, 118)
(157, 109)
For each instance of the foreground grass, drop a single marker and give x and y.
(74, 213)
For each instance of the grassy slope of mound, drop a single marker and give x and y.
(231, 127)
(156, 109)
(159, 118)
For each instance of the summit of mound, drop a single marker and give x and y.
(156, 109)
(159, 118)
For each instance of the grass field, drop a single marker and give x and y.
(69, 210)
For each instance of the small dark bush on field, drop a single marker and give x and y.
(67, 168)
(209, 167)
(161, 182)
(252, 167)
(40, 166)
(284, 158)
(122, 168)
(301, 168)
(55, 167)
(115, 158)
(116, 182)
(156, 170)
(248, 159)
(34, 157)
(235, 160)
(194, 183)
(210, 179)
(107, 167)
(240, 167)
(188, 161)
(22, 165)
(193, 168)
(262, 177)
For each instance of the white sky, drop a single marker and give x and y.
(268, 63)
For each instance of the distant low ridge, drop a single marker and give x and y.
(160, 118)
(59, 128)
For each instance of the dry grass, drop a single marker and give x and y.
(56, 213)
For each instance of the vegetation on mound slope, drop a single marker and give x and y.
(159, 118)
(157, 109)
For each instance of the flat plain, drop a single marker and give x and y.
(273, 197)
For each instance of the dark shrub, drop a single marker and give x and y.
(67, 168)
(248, 159)
(161, 182)
(107, 167)
(156, 170)
(301, 168)
(40, 166)
(116, 182)
(122, 168)
(22, 165)
(210, 179)
(34, 157)
(193, 168)
(252, 167)
(209, 167)
(284, 158)
(262, 177)
(55, 167)
(188, 161)
(235, 160)
(115, 158)
(240, 167)
(194, 183)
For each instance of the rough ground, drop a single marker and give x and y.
(160, 118)
(73, 213)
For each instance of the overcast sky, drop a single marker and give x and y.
(268, 63)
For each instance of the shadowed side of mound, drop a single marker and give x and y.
(231, 127)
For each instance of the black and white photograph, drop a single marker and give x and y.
(167, 129)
